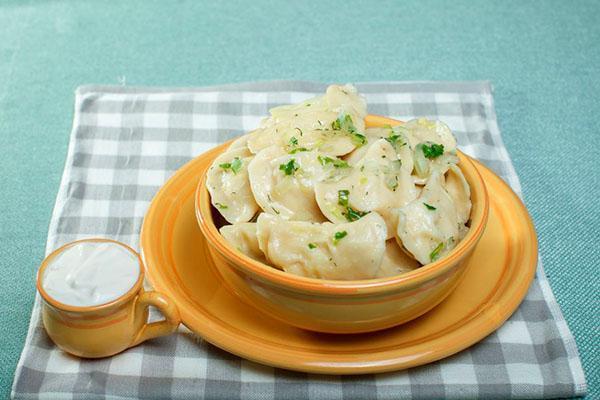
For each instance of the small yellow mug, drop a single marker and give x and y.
(110, 328)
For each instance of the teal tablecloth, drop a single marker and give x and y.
(543, 58)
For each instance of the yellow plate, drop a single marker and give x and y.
(178, 264)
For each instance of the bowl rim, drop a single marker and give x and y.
(405, 281)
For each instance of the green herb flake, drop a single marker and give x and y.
(358, 139)
(344, 123)
(433, 151)
(429, 207)
(395, 140)
(289, 168)
(435, 254)
(354, 215)
(298, 149)
(293, 141)
(339, 236)
(336, 125)
(343, 197)
(312, 246)
(235, 165)
(221, 206)
(336, 162)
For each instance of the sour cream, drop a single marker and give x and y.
(91, 273)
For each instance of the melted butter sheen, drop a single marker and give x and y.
(90, 274)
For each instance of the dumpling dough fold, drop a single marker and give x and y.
(309, 124)
(428, 227)
(229, 187)
(377, 183)
(344, 252)
(243, 237)
(283, 183)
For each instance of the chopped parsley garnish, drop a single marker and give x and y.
(353, 215)
(293, 143)
(433, 151)
(435, 254)
(343, 197)
(429, 207)
(339, 236)
(336, 162)
(221, 206)
(359, 139)
(337, 124)
(298, 149)
(235, 165)
(312, 246)
(344, 123)
(350, 213)
(395, 140)
(289, 168)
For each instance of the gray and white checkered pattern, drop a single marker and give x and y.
(126, 142)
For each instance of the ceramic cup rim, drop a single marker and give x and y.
(123, 298)
(405, 281)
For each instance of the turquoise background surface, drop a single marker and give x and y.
(542, 57)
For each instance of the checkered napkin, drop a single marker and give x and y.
(127, 141)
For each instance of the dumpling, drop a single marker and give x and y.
(396, 136)
(240, 143)
(457, 187)
(345, 99)
(283, 183)
(331, 124)
(433, 146)
(428, 227)
(424, 130)
(229, 188)
(424, 167)
(395, 261)
(243, 237)
(377, 183)
(344, 252)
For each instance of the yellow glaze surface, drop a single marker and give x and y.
(107, 329)
(233, 306)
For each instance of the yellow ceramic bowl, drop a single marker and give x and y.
(345, 306)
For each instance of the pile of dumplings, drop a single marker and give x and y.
(314, 193)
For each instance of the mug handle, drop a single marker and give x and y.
(160, 328)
